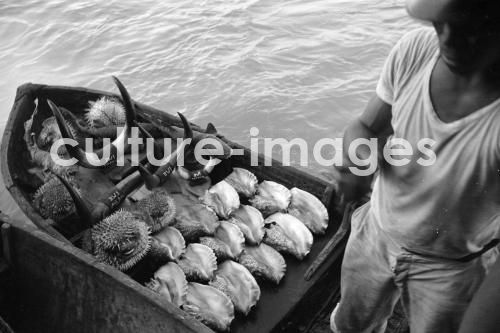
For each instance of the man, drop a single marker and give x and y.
(482, 314)
(421, 236)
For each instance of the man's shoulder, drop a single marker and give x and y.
(411, 54)
(419, 35)
(419, 43)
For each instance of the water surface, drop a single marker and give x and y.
(293, 69)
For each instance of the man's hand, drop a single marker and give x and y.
(349, 187)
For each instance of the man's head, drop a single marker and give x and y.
(468, 30)
(446, 10)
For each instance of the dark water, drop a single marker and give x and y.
(293, 69)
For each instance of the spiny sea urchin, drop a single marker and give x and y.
(120, 240)
(160, 206)
(52, 200)
(105, 111)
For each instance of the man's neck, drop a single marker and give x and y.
(477, 78)
(456, 94)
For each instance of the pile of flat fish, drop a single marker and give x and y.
(232, 246)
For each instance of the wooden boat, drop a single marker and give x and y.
(63, 288)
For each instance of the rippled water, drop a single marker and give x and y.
(293, 69)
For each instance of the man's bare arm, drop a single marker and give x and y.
(374, 122)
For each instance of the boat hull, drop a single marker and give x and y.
(70, 280)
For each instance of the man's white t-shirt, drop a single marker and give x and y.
(452, 207)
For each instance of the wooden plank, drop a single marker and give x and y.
(23, 97)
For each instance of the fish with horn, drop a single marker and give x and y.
(116, 148)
